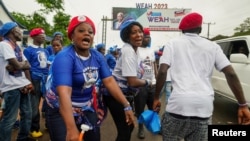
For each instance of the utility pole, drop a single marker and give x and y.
(104, 28)
(208, 28)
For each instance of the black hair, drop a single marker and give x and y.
(127, 30)
(193, 30)
(54, 39)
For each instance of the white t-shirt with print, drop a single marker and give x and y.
(148, 58)
(9, 82)
(128, 64)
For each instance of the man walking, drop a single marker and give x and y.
(190, 105)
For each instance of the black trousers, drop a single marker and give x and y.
(117, 112)
(143, 98)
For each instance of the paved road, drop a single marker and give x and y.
(225, 113)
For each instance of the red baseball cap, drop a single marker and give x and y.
(146, 31)
(36, 31)
(190, 21)
(76, 21)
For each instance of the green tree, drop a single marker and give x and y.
(243, 28)
(38, 18)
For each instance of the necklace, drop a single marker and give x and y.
(17, 50)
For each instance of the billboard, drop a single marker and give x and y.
(155, 19)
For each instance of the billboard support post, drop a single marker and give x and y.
(104, 28)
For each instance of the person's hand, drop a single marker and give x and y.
(130, 117)
(157, 105)
(10, 68)
(72, 134)
(100, 114)
(149, 82)
(27, 89)
(244, 115)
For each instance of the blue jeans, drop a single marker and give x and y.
(57, 128)
(15, 100)
(35, 101)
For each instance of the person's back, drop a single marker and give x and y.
(191, 79)
(192, 60)
(112, 56)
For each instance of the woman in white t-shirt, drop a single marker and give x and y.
(128, 73)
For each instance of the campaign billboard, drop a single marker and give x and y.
(155, 19)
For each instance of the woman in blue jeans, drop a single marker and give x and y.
(72, 88)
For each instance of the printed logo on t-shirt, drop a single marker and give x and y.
(42, 59)
(90, 75)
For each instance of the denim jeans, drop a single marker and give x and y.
(35, 101)
(14, 100)
(57, 128)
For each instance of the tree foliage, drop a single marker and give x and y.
(243, 27)
(241, 30)
(39, 17)
(52, 5)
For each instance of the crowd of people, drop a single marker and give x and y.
(79, 84)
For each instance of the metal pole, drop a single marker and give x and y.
(104, 28)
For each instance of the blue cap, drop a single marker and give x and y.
(7, 27)
(99, 46)
(58, 33)
(113, 49)
(125, 26)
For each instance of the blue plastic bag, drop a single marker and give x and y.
(151, 120)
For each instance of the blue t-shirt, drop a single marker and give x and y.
(50, 50)
(111, 60)
(37, 57)
(69, 69)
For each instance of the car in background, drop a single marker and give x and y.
(237, 51)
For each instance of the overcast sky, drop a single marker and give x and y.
(224, 14)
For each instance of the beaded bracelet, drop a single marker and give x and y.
(242, 105)
(128, 108)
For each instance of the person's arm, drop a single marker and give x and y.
(116, 92)
(64, 93)
(16, 65)
(160, 80)
(28, 88)
(133, 81)
(234, 84)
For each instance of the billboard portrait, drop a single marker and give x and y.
(154, 19)
(121, 15)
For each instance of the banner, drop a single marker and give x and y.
(155, 19)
